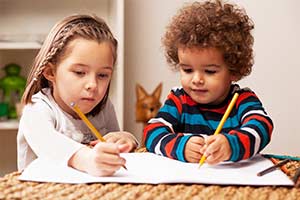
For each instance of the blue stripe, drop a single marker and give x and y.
(233, 140)
(262, 130)
(170, 109)
(180, 147)
(155, 134)
(244, 106)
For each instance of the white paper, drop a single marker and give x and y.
(153, 169)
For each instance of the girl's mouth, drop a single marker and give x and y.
(87, 99)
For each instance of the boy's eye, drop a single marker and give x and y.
(187, 70)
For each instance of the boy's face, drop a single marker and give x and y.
(83, 75)
(204, 74)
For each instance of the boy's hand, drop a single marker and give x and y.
(216, 149)
(192, 149)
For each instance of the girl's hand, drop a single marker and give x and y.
(216, 149)
(121, 137)
(102, 160)
(192, 149)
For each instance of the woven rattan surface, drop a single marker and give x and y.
(12, 188)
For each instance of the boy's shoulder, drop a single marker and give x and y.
(238, 89)
(178, 90)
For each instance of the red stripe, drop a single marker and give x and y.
(187, 100)
(169, 147)
(217, 110)
(151, 127)
(259, 118)
(176, 101)
(245, 141)
(244, 96)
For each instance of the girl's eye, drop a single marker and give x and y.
(210, 71)
(103, 76)
(79, 72)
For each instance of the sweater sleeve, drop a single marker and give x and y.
(255, 129)
(161, 136)
(37, 135)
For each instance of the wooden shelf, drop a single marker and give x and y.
(19, 45)
(9, 125)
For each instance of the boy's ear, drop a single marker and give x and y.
(49, 72)
(234, 78)
(157, 91)
(140, 92)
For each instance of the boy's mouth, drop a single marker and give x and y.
(199, 90)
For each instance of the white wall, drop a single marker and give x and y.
(274, 76)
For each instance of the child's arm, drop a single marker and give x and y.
(159, 134)
(245, 141)
(101, 160)
(37, 133)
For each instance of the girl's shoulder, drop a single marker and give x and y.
(42, 104)
(40, 99)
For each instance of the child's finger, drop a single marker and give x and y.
(110, 138)
(106, 147)
(121, 141)
(124, 148)
(215, 158)
(111, 159)
(194, 156)
(212, 148)
(94, 142)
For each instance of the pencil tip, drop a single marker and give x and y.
(199, 166)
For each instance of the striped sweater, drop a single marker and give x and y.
(248, 127)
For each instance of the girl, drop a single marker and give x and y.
(75, 64)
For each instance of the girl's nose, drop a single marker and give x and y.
(91, 84)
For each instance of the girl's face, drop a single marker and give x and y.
(204, 74)
(82, 76)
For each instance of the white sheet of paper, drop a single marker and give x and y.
(154, 169)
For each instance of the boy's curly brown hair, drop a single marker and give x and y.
(212, 24)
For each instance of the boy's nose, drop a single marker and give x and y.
(198, 78)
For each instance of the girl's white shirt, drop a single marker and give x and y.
(45, 130)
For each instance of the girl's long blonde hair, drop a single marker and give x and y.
(88, 27)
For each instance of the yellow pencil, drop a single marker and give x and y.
(88, 123)
(220, 126)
